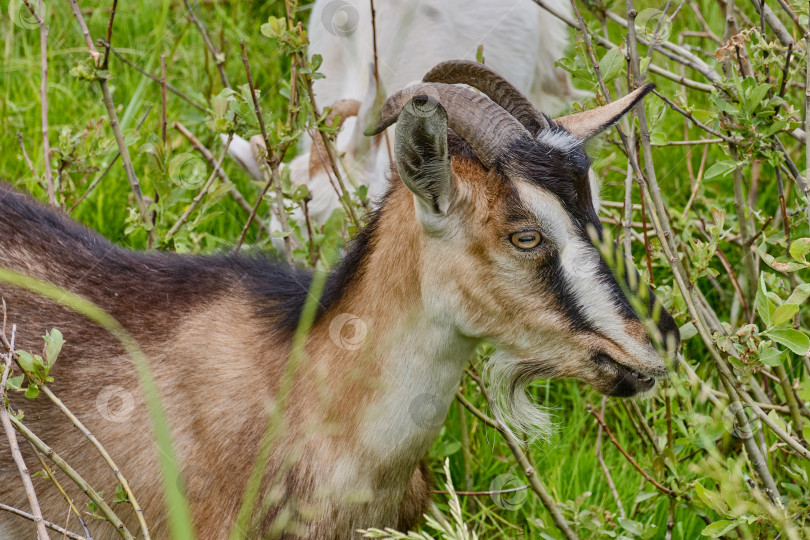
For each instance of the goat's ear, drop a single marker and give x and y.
(421, 154)
(585, 125)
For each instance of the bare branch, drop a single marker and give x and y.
(5, 419)
(203, 191)
(54, 527)
(168, 86)
(525, 465)
(235, 194)
(43, 97)
(134, 182)
(219, 57)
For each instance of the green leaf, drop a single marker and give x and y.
(711, 499)
(26, 361)
(718, 528)
(800, 248)
(764, 306)
(799, 295)
(479, 54)
(790, 338)
(784, 313)
(273, 27)
(612, 64)
(774, 128)
(121, 495)
(15, 383)
(782, 264)
(687, 331)
(772, 356)
(449, 449)
(32, 391)
(755, 98)
(633, 527)
(719, 169)
(53, 346)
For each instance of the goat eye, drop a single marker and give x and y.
(526, 239)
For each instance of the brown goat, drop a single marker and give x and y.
(482, 235)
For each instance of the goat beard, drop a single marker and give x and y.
(507, 379)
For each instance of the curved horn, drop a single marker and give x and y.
(318, 157)
(493, 85)
(486, 127)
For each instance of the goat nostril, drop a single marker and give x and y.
(649, 382)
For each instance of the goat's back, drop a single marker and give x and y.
(214, 328)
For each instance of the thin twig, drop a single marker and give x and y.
(71, 473)
(233, 191)
(219, 57)
(105, 455)
(525, 465)
(377, 82)
(43, 97)
(650, 479)
(609, 45)
(168, 86)
(108, 41)
(603, 466)
(272, 160)
(94, 54)
(101, 176)
(163, 112)
(134, 182)
(207, 186)
(26, 158)
(64, 494)
(6, 420)
(773, 21)
(54, 527)
(807, 118)
(694, 120)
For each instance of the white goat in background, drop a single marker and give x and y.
(520, 40)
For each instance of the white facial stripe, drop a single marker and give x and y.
(580, 263)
